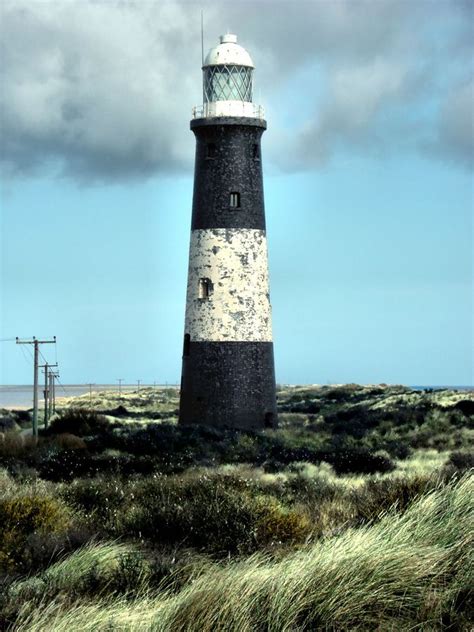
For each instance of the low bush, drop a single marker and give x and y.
(78, 421)
(14, 445)
(7, 422)
(461, 461)
(377, 496)
(68, 441)
(360, 461)
(23, 517)
(209, 513)
(222, 514)
(76, 463)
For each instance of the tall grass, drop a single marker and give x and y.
(407, 571)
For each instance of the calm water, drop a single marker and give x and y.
(21, 396)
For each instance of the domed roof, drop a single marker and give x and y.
(228, 52)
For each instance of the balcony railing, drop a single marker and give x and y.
(213, 109)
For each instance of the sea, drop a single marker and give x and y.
(21, 396)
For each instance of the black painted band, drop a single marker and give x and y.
(228, 163)
(228, 384)
(228, 120)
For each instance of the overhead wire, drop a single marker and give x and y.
(42, 357)
(57, 377)
(24, 354)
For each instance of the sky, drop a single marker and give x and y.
(367, 162)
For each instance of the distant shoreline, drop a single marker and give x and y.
(20, 396)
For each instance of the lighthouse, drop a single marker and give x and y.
(228, 374)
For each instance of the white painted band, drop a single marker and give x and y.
(242, 109)
(231, 266)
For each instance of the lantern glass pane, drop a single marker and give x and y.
(227, 83)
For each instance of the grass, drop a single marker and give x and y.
(408, 571)
(353, 515)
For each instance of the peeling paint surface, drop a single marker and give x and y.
(236, 262)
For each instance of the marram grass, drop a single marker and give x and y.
(406, 572)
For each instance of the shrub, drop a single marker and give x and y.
(16, 445)
(359, 461)
(466, 406)
(43, 548)
(70, 442)
(75, 463)
(7, 422)
(66, 465)
(277, 524)
(78, 421)
(22, 517)
(380, 495)
(220, 514)
(461, 461)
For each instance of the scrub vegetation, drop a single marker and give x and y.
(355, 514)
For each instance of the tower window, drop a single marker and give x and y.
(211, 150)
(235, 199)
(205, 288)
(256, 152)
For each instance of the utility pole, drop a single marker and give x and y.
(120, 380)
(51, 388)
(52, 399)
(138, 382)
(46, 393)
(91, 384)
(36, 344)
(47, 390)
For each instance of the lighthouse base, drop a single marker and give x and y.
(229, 384)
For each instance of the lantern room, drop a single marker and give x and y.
(227, 82)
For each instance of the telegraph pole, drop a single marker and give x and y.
(52, 399)
(51, 386)
(91, 384)
(138, 382)
(46, 394)
(36, 344)
(120, 380)
(47, 390)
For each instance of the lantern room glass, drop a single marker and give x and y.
(227, 83)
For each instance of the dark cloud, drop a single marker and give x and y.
(103, 90)
(455, 129)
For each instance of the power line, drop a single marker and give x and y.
(25, 357)
(36, 343)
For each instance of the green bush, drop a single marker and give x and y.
(23, 517)
(380, 495)
(461, 461)
(221, 514)
(78, 421)
(210, 513)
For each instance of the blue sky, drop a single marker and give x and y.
(368, 185)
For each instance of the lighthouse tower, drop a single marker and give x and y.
(228, 376)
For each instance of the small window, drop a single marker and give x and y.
(205, 288)
(256, 152)
(211, 150)
(186, 344)
(235, 200)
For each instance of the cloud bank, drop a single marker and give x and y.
(102, 91)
